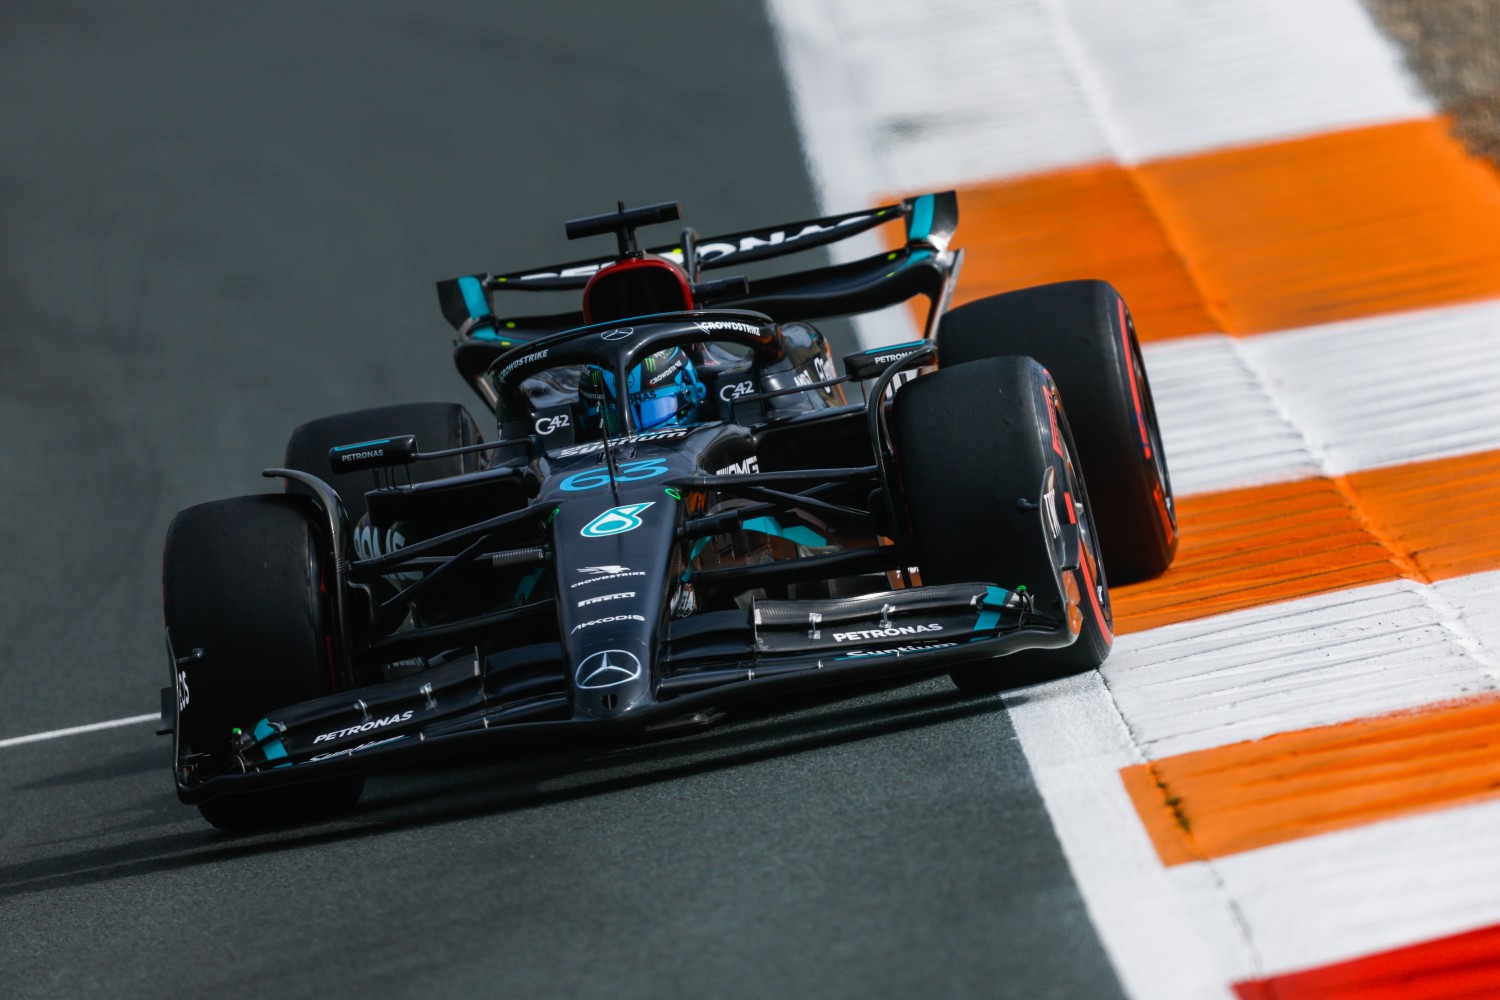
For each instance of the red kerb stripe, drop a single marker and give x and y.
(1465, 965)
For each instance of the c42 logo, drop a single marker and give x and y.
(616, 521)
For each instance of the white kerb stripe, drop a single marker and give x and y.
(1313, 662)
(1388, 390)
(133, 720)
(903, 97)
(1367, 889)
(1330, 399)
(1206, 394)
(1476, 599)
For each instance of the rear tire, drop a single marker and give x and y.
(242, 580)
(1082, 333)
(975, 443)
(437, 426)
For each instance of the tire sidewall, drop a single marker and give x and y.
(1082, 333)
(244, 581)
(976, 444)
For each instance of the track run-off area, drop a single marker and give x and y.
(1283, 782)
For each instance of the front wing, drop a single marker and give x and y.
(522, 695)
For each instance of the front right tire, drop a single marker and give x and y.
(1082, 333)
(243, 580)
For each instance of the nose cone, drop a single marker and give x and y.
(612, 562)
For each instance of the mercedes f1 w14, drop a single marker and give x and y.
(684, 506)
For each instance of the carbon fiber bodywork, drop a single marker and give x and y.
(591, 586)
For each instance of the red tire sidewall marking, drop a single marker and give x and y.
(1051, 401)
(1088, 579)
(1083, 562)
(1158, 494)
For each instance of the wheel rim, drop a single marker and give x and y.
(1083, 512)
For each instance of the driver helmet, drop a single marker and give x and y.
(663, 391)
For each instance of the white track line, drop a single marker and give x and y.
(133, 720)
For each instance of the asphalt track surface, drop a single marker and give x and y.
(222, 220)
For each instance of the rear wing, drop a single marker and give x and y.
(930, 221)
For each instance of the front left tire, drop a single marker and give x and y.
(991, 479)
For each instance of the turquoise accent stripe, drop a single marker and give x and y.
(362, 444)
(798, 534)
(698, 546)
(920, 223)
(265, 734)
(474, 297)
(990, 620)
(894, 347)
(528, 584)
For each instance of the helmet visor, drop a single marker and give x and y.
(654, 411)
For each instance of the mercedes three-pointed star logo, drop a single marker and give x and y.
(620, 333)
(606, 669)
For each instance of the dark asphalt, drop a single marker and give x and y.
(221, 220)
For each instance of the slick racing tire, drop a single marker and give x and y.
(978, 444)
(243, 581)
(437, 426)
(1082, 333)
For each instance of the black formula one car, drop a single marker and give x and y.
(685, 506)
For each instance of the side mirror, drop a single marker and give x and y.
(382, 453)
(868, 364)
